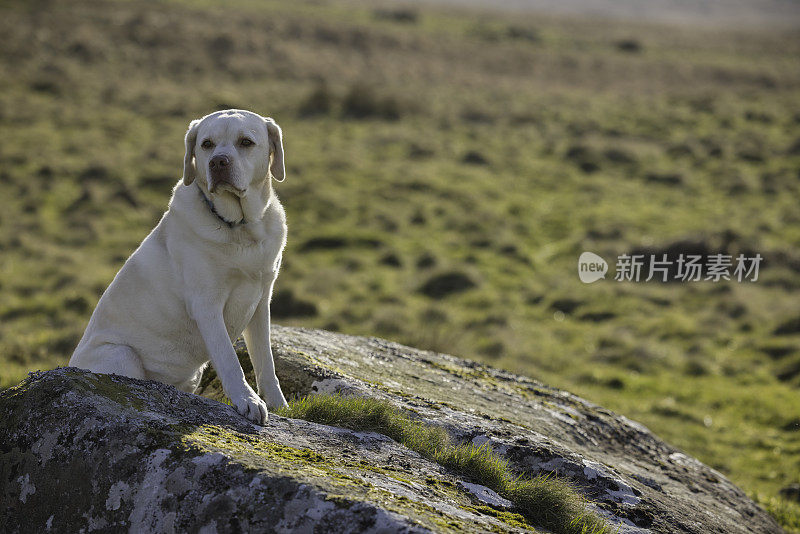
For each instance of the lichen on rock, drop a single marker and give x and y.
(87, 452)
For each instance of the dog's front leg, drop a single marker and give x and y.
(211, 324)
(257, 338)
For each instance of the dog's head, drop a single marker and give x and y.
(232, 149)
(232, 154)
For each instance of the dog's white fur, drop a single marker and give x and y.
(196, 283)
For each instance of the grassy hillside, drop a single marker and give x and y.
(444, 172)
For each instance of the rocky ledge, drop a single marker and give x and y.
(81, 452)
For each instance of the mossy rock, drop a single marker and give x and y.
(80, 451)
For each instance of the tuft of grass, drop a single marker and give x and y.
(477, 462)
(544, 500)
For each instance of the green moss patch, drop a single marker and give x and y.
(339, 478)
(547, 501)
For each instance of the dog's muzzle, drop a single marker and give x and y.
(220, 171)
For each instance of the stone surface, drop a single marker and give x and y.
(85, 452)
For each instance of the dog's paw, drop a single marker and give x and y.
(252, 407)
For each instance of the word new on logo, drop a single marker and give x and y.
(591, 267)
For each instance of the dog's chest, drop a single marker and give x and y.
(249, 280)
(241, 305)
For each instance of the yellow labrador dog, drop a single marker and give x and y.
(205, 273)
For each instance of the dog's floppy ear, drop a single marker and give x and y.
(276, 167)
(189, 169)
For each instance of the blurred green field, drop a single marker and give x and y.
(444, 171)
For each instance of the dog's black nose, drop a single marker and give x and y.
(219, 161)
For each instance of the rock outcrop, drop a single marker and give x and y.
(85, 452)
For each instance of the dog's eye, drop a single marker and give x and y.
(246, 142)
(207, 144)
